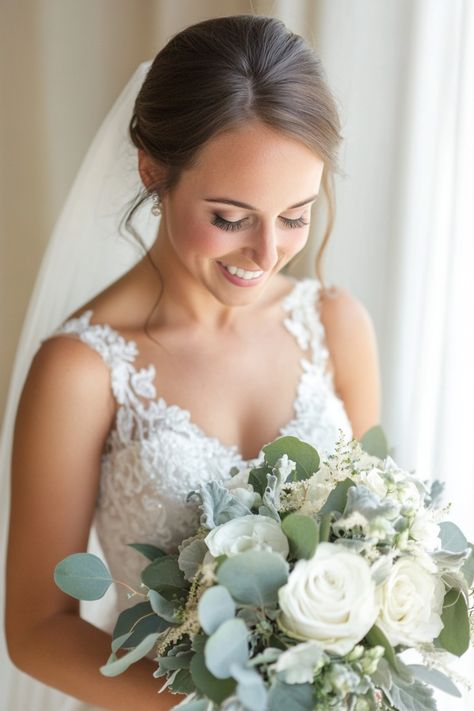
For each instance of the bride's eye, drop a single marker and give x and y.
(299, 222)
(219, 221)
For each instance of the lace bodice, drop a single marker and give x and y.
(155, 454)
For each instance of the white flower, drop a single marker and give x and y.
(329, 598)
(285, 466)
(245, 533)
(318, 487)
(240, 488)
(425, 531)
(374, 482)
(300, 663)
(411, 601)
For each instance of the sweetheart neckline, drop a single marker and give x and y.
(171, 409)
(157, 401)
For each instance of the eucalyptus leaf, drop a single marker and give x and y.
(198, 642)
(182, 683)
(454, 637)
(149, 551)
(207, 684)
(435, 493)
(164, 608)
(193, 705)
(191, 557)
(258, 478)
(268, 656)
(136, 623)
(303, 454)
(294, 697)
(254, 577)
(375, 637)
(452, 538)
(119, 642)
(227, 645)
(83, 576)
(164, 574)
(302, 533)
(251, 689)
(324, 527)
(215, 607)
(120, 665)
(435, 678)
(374, 442)
(337, 499)
(180, 661)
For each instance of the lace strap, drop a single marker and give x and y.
(304, 321)
(119, 354)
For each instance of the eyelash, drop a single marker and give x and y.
(233, 226)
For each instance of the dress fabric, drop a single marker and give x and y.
(155, 454)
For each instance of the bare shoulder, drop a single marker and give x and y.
(352, 343)
(62, 421)
(70, 374)
(342, 313)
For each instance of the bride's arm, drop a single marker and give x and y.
(65, 412)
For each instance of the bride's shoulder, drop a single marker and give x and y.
(350, 335)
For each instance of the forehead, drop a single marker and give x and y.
(256, 164)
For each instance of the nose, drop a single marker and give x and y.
(264, 247)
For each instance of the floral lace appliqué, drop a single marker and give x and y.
(155, 454)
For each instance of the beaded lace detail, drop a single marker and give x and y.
(155, 454)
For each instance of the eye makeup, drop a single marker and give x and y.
(227, 225)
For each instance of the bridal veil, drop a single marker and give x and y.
(85, 254)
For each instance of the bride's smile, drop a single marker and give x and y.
(213, 251)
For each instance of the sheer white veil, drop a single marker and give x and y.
(84, 255)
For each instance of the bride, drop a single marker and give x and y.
(194, 358)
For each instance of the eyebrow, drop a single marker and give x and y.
(227, 201)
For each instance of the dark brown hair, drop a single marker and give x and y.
(222, 73)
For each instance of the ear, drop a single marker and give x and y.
(149, 172)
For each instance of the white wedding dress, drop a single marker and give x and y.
(155, 454)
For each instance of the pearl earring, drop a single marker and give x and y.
(156, 208)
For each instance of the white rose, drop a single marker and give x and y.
(245, 533)
(329, 598)
(411, 601)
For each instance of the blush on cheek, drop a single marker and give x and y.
(207, 241)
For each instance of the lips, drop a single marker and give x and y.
(241, 272)
(236, 279)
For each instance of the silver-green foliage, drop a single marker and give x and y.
(83, 576)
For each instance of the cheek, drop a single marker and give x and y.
(196, 237)
(296, 241)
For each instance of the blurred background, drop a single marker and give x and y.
(402, 72)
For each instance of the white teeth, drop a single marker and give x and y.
(242, 273)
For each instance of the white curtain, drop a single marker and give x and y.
(431, 374)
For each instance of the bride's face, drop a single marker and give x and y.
(275, 179)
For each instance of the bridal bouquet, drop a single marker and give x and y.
(303, 587)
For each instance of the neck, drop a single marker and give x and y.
(185, 302)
